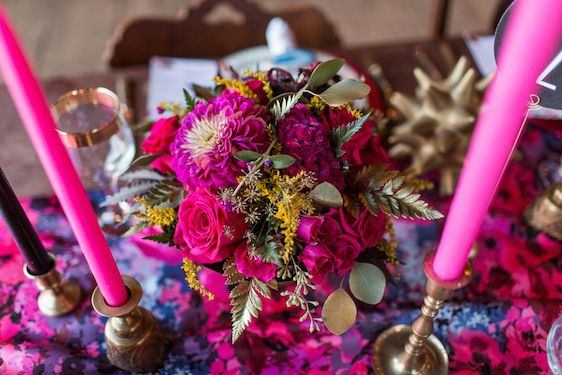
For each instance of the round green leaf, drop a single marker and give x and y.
(281, 161)
(345, 91)
(339, 312)
(248, 155)
(325, 71)
(326, 195)
(367, 283)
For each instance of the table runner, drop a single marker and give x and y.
(496, 325)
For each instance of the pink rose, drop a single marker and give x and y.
(307, 230)
(370, 227)
(163, 164)
(364, 148)
(253, 266)
(319, 261)
(329, 229)
(346, 249)
(161, 135)
(344, 221)
(206, 231)
(257, 88)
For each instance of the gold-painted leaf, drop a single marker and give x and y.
(326, 195)
(339, 312)
(367, 283)
(345, 91)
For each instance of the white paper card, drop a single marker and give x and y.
(482, 50)
(168, 76)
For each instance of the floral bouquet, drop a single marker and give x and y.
(280, 181)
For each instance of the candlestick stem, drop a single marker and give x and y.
(57, 297)
(414, 350)
(133, 338)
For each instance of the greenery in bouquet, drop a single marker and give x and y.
(282, 181)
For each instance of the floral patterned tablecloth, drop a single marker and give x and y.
(496, 325)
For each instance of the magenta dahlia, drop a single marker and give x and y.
(210, 136)
(303, 137)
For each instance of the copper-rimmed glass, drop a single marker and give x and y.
(91, 124)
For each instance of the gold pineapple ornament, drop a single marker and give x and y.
(438, 123)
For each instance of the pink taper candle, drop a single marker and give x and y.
(36, 116)
(531, 38)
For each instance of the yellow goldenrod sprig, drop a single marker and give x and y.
(354, 111)
(285, 194)
(174, 108)
(389, 246)
(238, 86)
(162, 217)
(190, 269)
(316, 104)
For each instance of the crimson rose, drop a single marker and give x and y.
(207, 232)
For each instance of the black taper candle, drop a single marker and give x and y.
(36, 257)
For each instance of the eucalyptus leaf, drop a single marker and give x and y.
(325, 71)
(339, 312)
(326, 195)
(248, 155)
(344, 91)
(281, 161)
(144, 160)
(367, 283)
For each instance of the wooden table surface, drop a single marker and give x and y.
(22, 167)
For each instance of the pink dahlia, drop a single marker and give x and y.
(303, 137)
(210, 136)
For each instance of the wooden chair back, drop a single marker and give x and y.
(194, 34)
(441, 17)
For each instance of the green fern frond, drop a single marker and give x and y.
(340, 135)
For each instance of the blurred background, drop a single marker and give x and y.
(66, 37)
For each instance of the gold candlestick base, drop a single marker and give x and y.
(57, 297)
(545, 213)
(134, 340)
(414, 350)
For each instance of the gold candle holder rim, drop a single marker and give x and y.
(103, 308)
(57, 297)
(454, 284)
(33, 276)
(88, 95)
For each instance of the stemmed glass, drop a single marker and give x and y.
(92, 126)
(554, 347)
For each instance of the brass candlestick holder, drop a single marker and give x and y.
(414, 350)
(133, 338)
(57, 297)
(545, 213)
